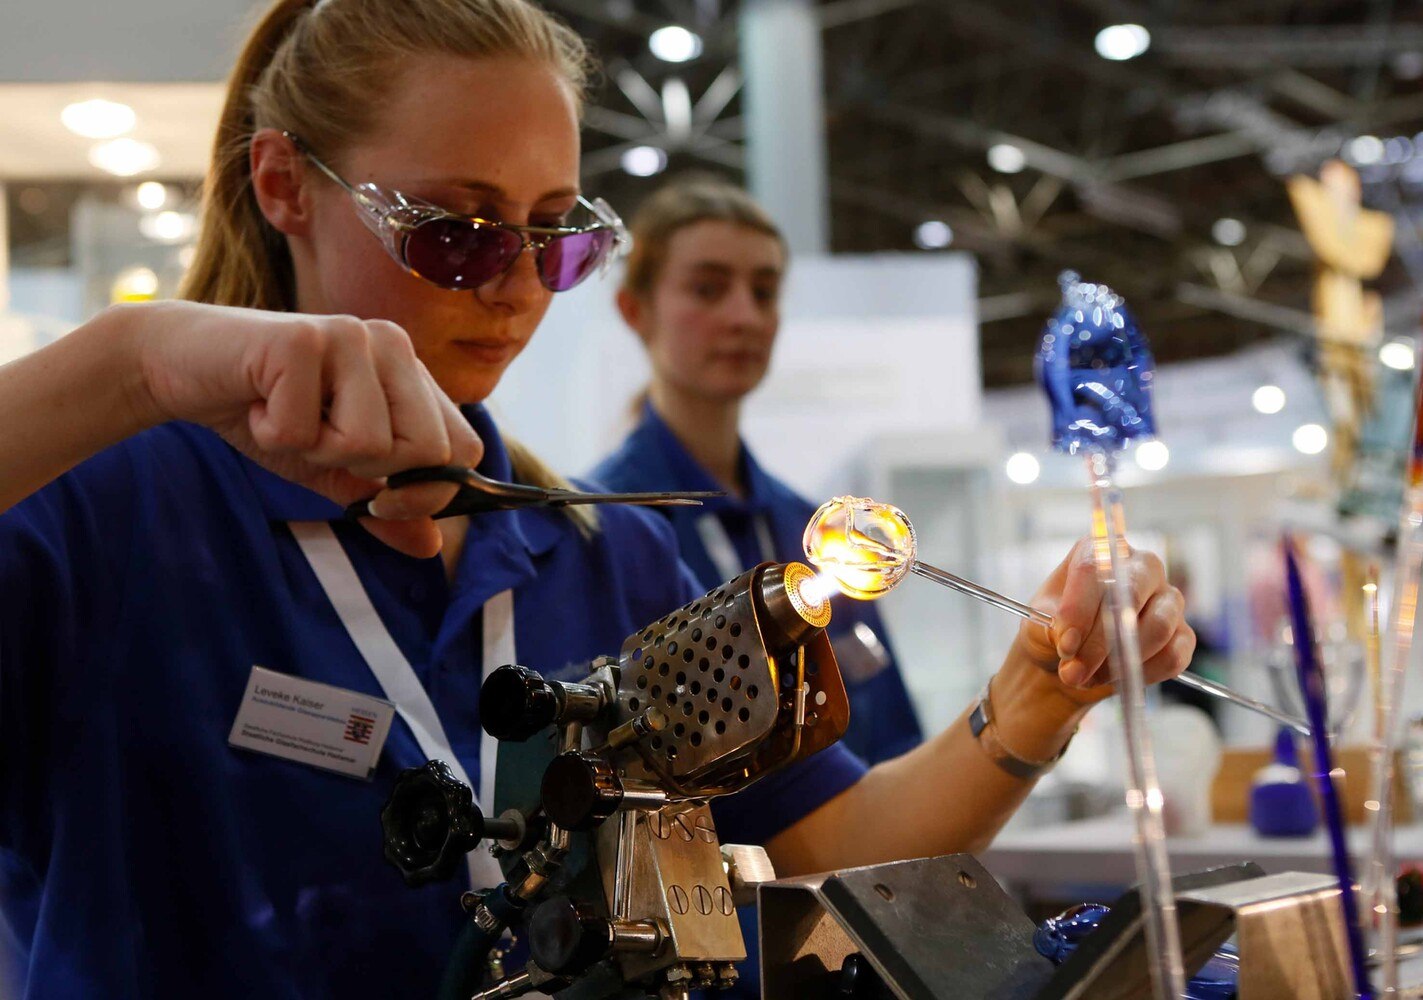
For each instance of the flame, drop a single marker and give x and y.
(816, 590)
(864, 546)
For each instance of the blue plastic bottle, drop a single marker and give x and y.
(1280, 801)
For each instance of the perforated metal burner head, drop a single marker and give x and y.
(723, 668)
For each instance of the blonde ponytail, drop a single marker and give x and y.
(530, 469)
(241, 260)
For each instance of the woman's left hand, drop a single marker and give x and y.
(1075, 649)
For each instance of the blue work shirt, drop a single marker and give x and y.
(882, 720)
(140, 855)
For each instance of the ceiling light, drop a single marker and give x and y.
(933, 234)
(1122, 41)
(151, 195)
(124, 157)
(168, 227)
(1228, 232)
(1152, 456)
(1398, 355)
(644, 161)
(98, 119)
(1268, 399)
(675, 44)
(1310, 439)
(1022, 468)
(1006, 158)
(1364, 150)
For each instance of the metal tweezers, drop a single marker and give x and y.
(480, 495)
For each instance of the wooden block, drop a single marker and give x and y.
(1230, 792)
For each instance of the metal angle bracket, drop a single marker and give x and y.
(932, 929)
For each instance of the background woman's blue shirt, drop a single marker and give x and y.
(140, 856)
(882, 720)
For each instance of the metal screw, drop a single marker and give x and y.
(703, 900)
(677, 897)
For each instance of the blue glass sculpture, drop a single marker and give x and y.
(1096, 368)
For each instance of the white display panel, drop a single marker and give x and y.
(868, 346)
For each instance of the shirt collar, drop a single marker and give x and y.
(686, 473)
(532, 530)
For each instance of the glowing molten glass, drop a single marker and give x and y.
(867, 547)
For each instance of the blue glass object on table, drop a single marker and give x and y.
(1056, 938)
(1096, 367)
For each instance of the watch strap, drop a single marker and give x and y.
(985, 732)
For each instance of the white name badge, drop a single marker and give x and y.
(312, 723)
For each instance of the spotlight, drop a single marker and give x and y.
(644, 161)
(933, 234)
(675, 44)
(1006, 158)
(168, 227)
(1310, 439)
(1364, 150)
(1228, 232)
(98, 119)
(1120, 42)
(124, 157)
(1152, 456)
(151, 195)
(1268, 399)
(1023, 468)
(1398, 355)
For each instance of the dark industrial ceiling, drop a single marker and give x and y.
(1129, 164)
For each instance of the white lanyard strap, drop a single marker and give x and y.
(722, 552)
(338, 578)
(498, 650)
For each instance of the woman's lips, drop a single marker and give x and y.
(489, 352)
(746, 357)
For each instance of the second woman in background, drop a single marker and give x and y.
(702, 292)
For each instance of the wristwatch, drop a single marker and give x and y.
(980, 723)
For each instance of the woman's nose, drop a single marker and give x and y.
(743, 309)
(518, 289)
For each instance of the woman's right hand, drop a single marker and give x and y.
(333, 403)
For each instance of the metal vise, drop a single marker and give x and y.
(614, 871)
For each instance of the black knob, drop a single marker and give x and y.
(516, 702)
(859, 981)
(565, 937)
(580, 790)
(430, 823)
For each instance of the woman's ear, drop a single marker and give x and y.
(279, 178)
(634, 312)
